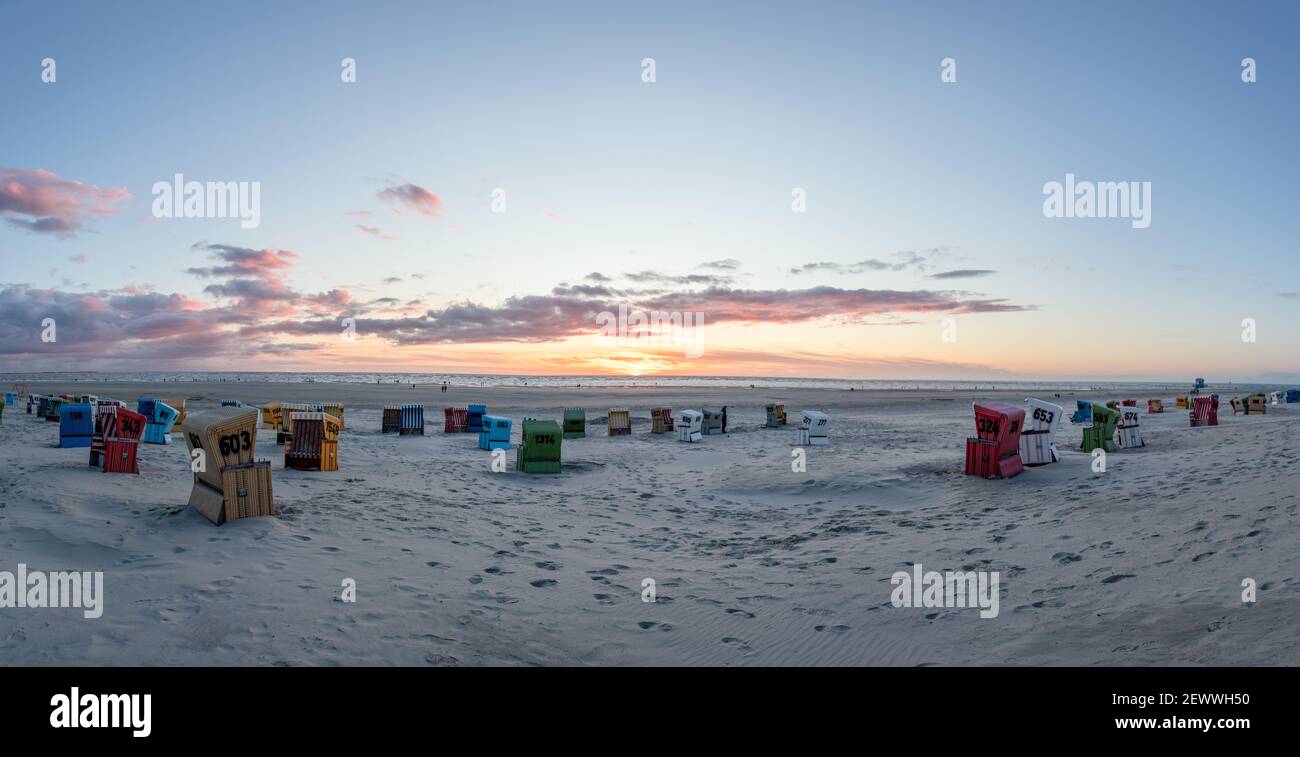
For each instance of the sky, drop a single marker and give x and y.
(798, 176)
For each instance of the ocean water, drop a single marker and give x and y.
(460, 379)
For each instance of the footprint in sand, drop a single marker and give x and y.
(741, 613)
(1117, 577)
(543, 583)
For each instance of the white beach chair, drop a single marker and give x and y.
(690, 426)
(1041, 423)
(812, 429)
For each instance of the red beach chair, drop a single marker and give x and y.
(122, 432)
(995, 451)
(457, 420)
(1205, 411)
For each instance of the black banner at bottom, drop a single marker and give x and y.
(139, 707)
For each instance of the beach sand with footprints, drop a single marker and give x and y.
(752, 563)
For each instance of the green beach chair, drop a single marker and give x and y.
(540, 450)
(575, 423)
(1102, 433)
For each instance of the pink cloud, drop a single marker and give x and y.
(376, 232)
(414, 197)
(44, 202)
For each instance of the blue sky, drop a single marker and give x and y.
(606, 173)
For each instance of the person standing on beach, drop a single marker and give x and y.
(724, 419)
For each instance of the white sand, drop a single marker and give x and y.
(754, 564)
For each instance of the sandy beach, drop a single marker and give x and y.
(753, 564)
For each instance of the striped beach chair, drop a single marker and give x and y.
(619, 422)
(229, 482)
(411, 419)
(1205, 412)
(391, 423)
(335, 409)
(52, 409)
(456, 420)
(315, 442)
(122, 434)
(287, 409)
(661, 420)
(102, 412)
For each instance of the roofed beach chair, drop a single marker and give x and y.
(287, 409)
(690, 426)
(1237, 405)
(229, 483)
(271, 416)
(575, 423)
(712, 420)
(1292, 396)
(1127, 429)
(335, 409)
(103, 410)
(52, 409)
(410, 419)
(11, 398)
(1181, 402)
(314, 444)
(1101, 435)
(392, 420)
(122, 433)
(159, 419)
(1256, 404)
(619, 422)
(474, 418)
(995, 450)
(495, 433)
(776, 415)
(1083, 413)
(813, 427)
(456, 420)
(1205, 412)
(1036, 444)
(1155, 406)
(661, 420)
(76, 424)
(179, 407)
(539, 450)
(1275, 398)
